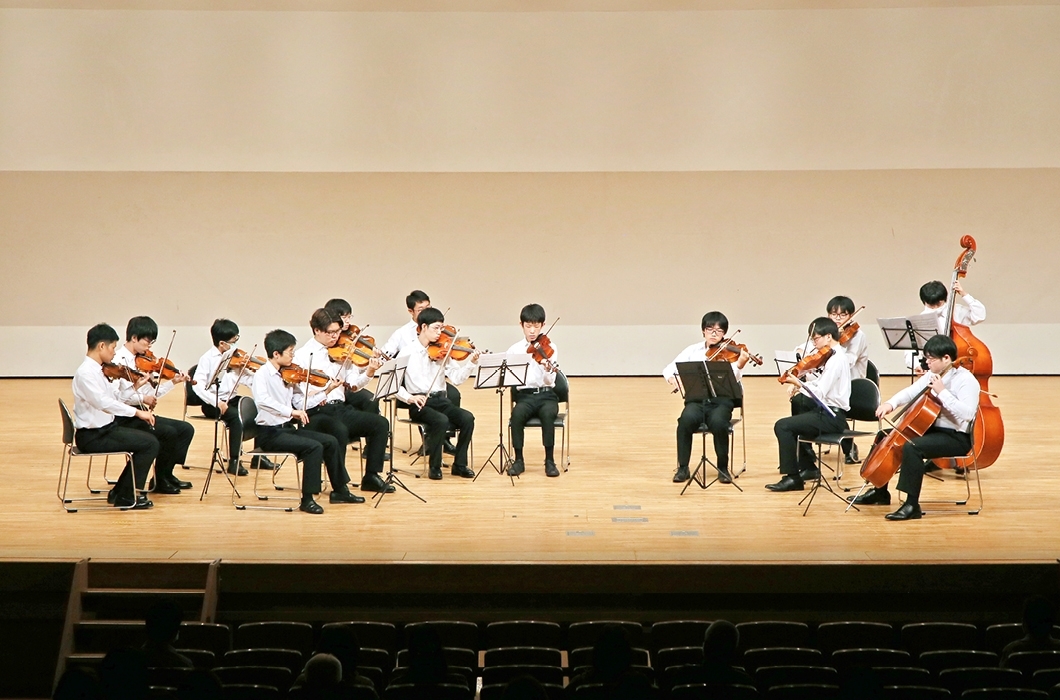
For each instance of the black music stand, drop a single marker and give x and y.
(909, 333)
(217, 458)
(500, 371)
(391, 377)
(702, 381)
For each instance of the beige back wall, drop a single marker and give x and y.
(629, 170)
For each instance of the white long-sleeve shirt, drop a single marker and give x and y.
(127, 391)
(96, 399)
(971, 313)
(832, 385)
(423, 375)
(314, 354)
(858, 355)
(272, 396)
(401, 339)
(959, 398)
(226, 388)
(697, 352)
(537, 376)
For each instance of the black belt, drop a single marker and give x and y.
(538, 390)
(435, 393)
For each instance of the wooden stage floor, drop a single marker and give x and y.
(616, 504)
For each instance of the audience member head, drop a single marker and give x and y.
(1039, 616)
(78, 684)
(720, 642)
(341, 642)
(200, 684)
(123, 675)
(612, 653)
(322, 672)
(524, 688)
(426, 654)
(163, 622)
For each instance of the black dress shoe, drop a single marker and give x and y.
(434, 473)
(852, 456)
(262, 462)
(550, 468)
(308, 505)
(374, 482)
(908, 511)
(233, 467)
(681, 475)
(448, 447)
(167, 488)
(111, 495)
(182, 485)
(724, 476)
(344, 497)
(517, 467)
(463, 471)
(872, 497)
(139, 503)
(788, 482)
(810, 474)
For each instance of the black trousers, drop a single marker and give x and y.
(311, 448)
(231, 420)
(116, 438)
(545, 406)
(438, 415)
(174, 439)
(808, 420)
(936, 442)
(362, 400)
(346, 424)
(717, 414)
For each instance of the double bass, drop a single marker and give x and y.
(973, 355)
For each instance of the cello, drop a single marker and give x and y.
(989, 432)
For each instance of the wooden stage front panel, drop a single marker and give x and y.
(616, 504)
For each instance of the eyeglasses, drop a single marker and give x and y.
(714, 331)
(333, 332)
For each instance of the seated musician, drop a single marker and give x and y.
(934, 297)
(276, 433)
(809, 418)
(958, 392)
(362, 400)
(537, 397)
(174, 436)
(328, 410)
(96, 407)
(424, 392)
(840, 309)
(715, 412)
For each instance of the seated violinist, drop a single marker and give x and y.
(424, 392)
(841, 309)
(174, 436)
(715, 412)
(958, 392)
(536, 398)
(811, 416)
(276, 416)
(362, 399)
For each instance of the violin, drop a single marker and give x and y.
(293, 374)
(449, 344)
(815, 360)
(114, 371)
(728, 351)
(358, 348)
(241, 361)
(542, 351)
(850, 328)
(162, 368)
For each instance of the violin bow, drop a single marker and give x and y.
(242, 370)
(721, 347)
(164, 361)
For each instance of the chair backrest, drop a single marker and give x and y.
(864, 400)
(248, 411)
(872, 374)
(562, 387)
(68, 423)
(190, 397)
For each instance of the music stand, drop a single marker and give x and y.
(703, 381)
(785, 360)
(500, 371)
(909, 333)
(391, 376)
(217, 457)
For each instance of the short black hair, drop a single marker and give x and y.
(162, 622)
(415, 297)
(939, 346)
(823, 325)
(141, 327)
(933, 292)
(322, 318)
(840, 304)
(101, 333)
(532, 313)
(429, 316)
(223, 330)
(339, 307)
(278, 341)
(714, 318)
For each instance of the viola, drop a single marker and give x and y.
(728, 351)
(293, 374)
(542, 351)
(449, 344)
(850, 328)
(358, 348)
(241, 361)
(815, 360)
(114, 371)
(159, 367)
(989, 431)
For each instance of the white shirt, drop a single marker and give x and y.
(272, 395)
(959, 398)
(96, 399)
(315, 355)
(832, 385)
(227, 382)
(423, 375)
(971, 315)
(858, 354)
(537, 376)
(697, 352)
(401, 339)
(126, 390)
